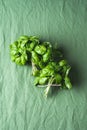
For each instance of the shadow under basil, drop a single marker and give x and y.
(75, 75)
(75, 72)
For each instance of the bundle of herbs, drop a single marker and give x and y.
(48, 71)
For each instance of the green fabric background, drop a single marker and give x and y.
(22, 105)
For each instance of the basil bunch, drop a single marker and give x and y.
(41, 54)
(48, 70)
(20, 49)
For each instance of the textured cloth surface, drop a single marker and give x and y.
(22, 105)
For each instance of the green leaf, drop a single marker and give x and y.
(58, 78)
(47, 72)
(63, 63)
(25, 56)
(34, 39)
(43, 80)
(40, 49)
(36, 81)
(35, 70)
(13, 52)
(14, 46)
(68, 70)
(32, 45)
(13, 58)
(20, 50)
(35, 57)
(47, 44)
(18, 60)
(41, 64)
(68, 83)
(23, 43)
(24, 37)
(23, 60)
(47, 56)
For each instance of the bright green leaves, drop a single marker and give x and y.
(48, 65)
(40, 49)
(20, 49)
(35, 58)
(63, 63)
(41, 54)
(46, 57)
(43, 80)
(68, 83)
(58, 78)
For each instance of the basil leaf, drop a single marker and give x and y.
(43, 80)
(40, 49)
(68, 83)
